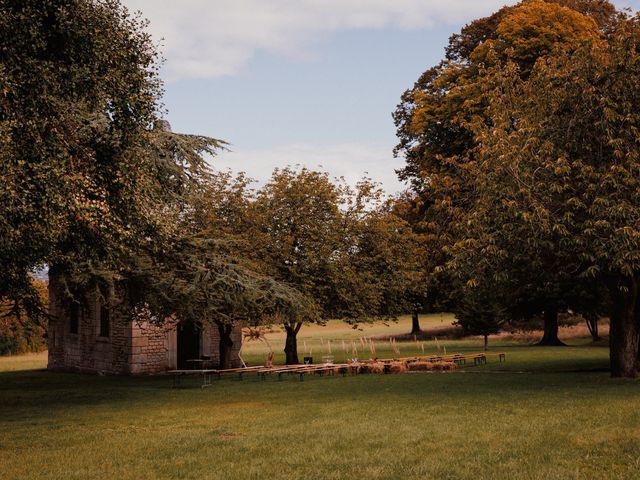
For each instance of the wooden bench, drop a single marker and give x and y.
(240, 371)
(320, 369)
(303, 369)
(278, 370)
(460, 359)
(206, 376)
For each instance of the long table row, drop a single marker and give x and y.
(344, 368)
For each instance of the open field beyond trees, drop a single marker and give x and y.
(545, 413)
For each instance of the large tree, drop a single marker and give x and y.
(560, 161)
(342, 247)
(83, 180)
(213, 274)
(437, 119)
(298, 237)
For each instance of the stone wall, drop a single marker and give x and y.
(151, 348)
(85, 350)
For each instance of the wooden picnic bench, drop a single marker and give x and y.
(460, 359)
(303, 369)
(279, 370)
(206, 375)
(320, 369)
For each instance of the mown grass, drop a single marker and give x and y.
(545, 413)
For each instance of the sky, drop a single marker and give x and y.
(301, 82)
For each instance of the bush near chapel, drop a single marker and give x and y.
(20, 333)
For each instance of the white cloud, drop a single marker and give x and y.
(350, 160)
(212, 38)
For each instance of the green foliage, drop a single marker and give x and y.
(344, 247)
(387, 259)
(20, 333)
(79, 92)
(480, 312)
(196, 283)
(89, 186)
(474, 233)
(557, 201)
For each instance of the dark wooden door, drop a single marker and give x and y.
(188, 345)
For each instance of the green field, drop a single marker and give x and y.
(545, 413)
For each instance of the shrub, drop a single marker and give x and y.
(398, 367)
(19, 333)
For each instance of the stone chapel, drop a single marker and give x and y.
(93, 337)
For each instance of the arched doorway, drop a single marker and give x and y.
(188, 343)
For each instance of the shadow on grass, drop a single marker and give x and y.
(37, 392)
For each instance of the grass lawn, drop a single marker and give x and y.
(545, 413)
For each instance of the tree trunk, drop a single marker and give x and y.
(226, 344)
(624, 330)
(486, 343)
(592, 325)
(291, 344)
(550, 337)
(415, 322)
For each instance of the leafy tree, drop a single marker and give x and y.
(218, 238)
(438, 117)
(532, 30)
(86, 179)
(479, 312)
(20, 333)
(298, 237)
(419, 291)
(387, 258)
(560, 160)
(342, 247)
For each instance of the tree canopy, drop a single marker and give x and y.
(560, 161)
(341, 246)
(79, 93)
(438, 121)
(537, 198)
(87, 179)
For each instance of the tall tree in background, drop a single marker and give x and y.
(479, 312)
(386, 256)
(421, 287)
(299, 235)
(342, 247)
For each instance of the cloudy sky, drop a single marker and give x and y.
(310, 82)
